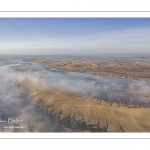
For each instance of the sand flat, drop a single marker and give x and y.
(92, 111)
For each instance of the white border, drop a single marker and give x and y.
(74, 5)
(74, 14)
(78, 135)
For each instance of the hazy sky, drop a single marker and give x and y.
(80, 36)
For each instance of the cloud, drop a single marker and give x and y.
(86, 86)
(14, 104)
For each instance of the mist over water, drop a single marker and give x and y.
(107, 88)
(15, 105)
(36, 120)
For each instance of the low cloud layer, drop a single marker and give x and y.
(107, 88)
(15, 104)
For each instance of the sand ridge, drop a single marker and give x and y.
(95, 113)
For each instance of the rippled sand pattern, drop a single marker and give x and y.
(96, 114)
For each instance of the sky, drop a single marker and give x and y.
(74, 36)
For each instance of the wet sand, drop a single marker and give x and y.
(136, 68)
(93, 114)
